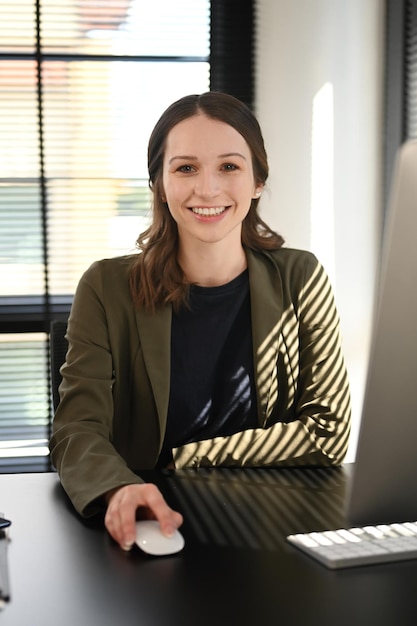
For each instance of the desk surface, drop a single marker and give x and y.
(236, 567)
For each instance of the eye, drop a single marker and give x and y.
(229, 167)
(186, 169)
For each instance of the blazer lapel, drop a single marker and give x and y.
(266, 311)
(155, 335)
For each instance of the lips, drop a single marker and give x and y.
(209, 211)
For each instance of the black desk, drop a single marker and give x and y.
(236, 567)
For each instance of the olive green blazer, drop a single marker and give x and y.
(111, 419)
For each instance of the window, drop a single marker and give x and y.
(82, 83)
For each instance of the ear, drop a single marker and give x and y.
(160, 191)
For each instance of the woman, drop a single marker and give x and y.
(213, 346)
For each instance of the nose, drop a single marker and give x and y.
(206, 184)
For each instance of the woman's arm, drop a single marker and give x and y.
(92, 472)
(314, 428)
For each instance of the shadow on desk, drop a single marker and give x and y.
(255, 508)
(251, 508)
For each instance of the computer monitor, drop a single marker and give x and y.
(383, 488)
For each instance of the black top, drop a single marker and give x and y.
(212, 383)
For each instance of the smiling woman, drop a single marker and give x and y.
(207, 153)
(215, 345)
(208, 194)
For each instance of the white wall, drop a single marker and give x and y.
(325, 186)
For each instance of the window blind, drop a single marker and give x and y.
(400, 64)
(411, 69)
(82, 83)
(232, 48)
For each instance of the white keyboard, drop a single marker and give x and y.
(365, 545)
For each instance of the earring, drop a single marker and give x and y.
(258, 193)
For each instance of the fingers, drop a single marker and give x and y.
(120, 518)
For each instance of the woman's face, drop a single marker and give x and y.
(208, 180)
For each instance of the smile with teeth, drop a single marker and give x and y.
(208, 211)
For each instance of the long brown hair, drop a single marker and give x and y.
(156, 277)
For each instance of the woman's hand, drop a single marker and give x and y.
(122, 504)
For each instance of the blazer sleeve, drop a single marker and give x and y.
(81, 445)
(314, 430)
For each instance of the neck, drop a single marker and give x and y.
(212, 265)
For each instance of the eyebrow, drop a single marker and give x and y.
(186, 157)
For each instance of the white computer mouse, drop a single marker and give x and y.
(151, 540)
